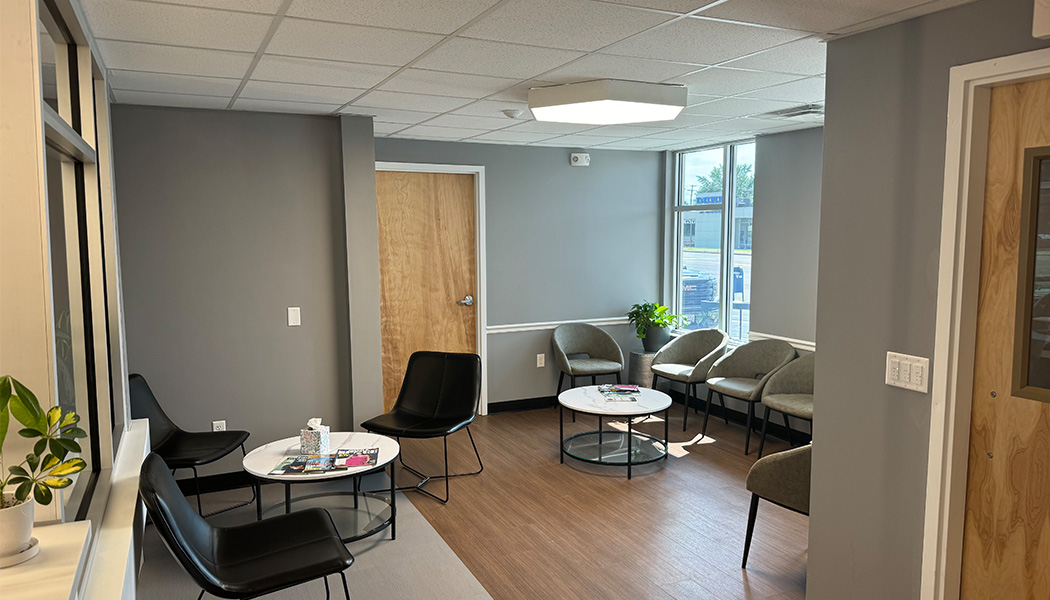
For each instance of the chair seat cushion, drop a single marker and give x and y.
(742, 388)
(249, 560)
(593, 366)
(185, 449)
(796, 405)
(677, 372)
(404, 424)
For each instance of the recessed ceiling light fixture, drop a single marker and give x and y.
(607, 102)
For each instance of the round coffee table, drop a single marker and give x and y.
(366, 514)
(613, 447)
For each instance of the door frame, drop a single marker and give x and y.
(481, 293)
(969, 99)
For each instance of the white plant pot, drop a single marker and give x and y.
(16, 526)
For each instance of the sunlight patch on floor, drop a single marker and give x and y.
(675, 449)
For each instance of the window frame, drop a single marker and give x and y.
(674, 232)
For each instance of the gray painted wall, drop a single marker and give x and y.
(785, 234)
(884, 137)
(226, 219)
(562, 243)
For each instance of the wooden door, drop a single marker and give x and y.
(426, 268)
(1006, 544)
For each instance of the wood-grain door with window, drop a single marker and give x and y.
(427, 259)
(1006, 543)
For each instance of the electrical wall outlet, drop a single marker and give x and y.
(218, 425)
(294, 316)
(908, 372)
(541, 361)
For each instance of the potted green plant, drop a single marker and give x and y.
(42, 470)
(653, 323)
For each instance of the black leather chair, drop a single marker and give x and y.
(439, 396)
(182, 449)
(245, 561)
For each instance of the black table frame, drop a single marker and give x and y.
(392, 501)
(630, 437)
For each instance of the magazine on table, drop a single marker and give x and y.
(619, 392)
(323, 463)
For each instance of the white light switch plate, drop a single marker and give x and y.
(908, 372)
(294, 319)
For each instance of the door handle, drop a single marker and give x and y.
(468, 301)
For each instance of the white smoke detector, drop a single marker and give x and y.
(513, 113)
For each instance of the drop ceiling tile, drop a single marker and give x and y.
(420, 81)
(519, 92)
(482, 57)
(319, 72)
(172, 84)
(381, 128)
(687, 134)
(268, 7)
(281, 106)
(517, 137)
(550, 128)
(176, 25)
(414, 15)
(802, 90)
(687, 120)
(493, 108)
(635, 144)
(390, 115)
(625, 131)
(702, 41)
(180, 100)
(678, 6)
(403, 101)
(298, 92)
(738, 107)
(818, 16)
(471, 122)
(805, 57)
(604, 66)
(447, 133)
(791, 127)
(575, 141)
(569, 24)
(338, 41)
(717, 81)
(741, 124)
(168, 59)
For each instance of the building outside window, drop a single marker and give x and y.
(712, 237)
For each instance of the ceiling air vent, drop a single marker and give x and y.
(805, 110)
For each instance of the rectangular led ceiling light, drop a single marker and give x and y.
(607, 102)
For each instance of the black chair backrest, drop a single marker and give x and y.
(144, 405)
(441, 384)
(186, 534)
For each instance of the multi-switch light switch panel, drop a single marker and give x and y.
(908, 372)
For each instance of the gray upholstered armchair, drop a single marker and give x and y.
(789, 391)
(602, 353)
(687, 359)
(743, 372)
(783, 479)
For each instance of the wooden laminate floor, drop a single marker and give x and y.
(529, 527)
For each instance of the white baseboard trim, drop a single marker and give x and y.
(520, 327)
(799, 344)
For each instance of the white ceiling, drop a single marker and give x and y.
(446, 69)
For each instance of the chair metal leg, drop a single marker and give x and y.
(725, 413)
(762, 442)
(685, 413)
(618, 377)
(561, 434)
(572, 383)
(346, 589)
(327, 592)
(750, 421)
(200, 595)
(707, 411)
(594, 380)
(791, 443)
(561, 380)
(256, 489)
(425, 478)
(750, 529)
(197, 482)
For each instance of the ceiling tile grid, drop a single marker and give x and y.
(447, 69)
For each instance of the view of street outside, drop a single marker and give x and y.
(707, 261)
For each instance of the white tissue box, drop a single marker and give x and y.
(314, 441)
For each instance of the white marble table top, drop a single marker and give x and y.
(262, 460)
(589, 400)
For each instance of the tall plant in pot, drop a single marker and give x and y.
(653, 323)
(44, 469)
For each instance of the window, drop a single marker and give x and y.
(712, 237)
